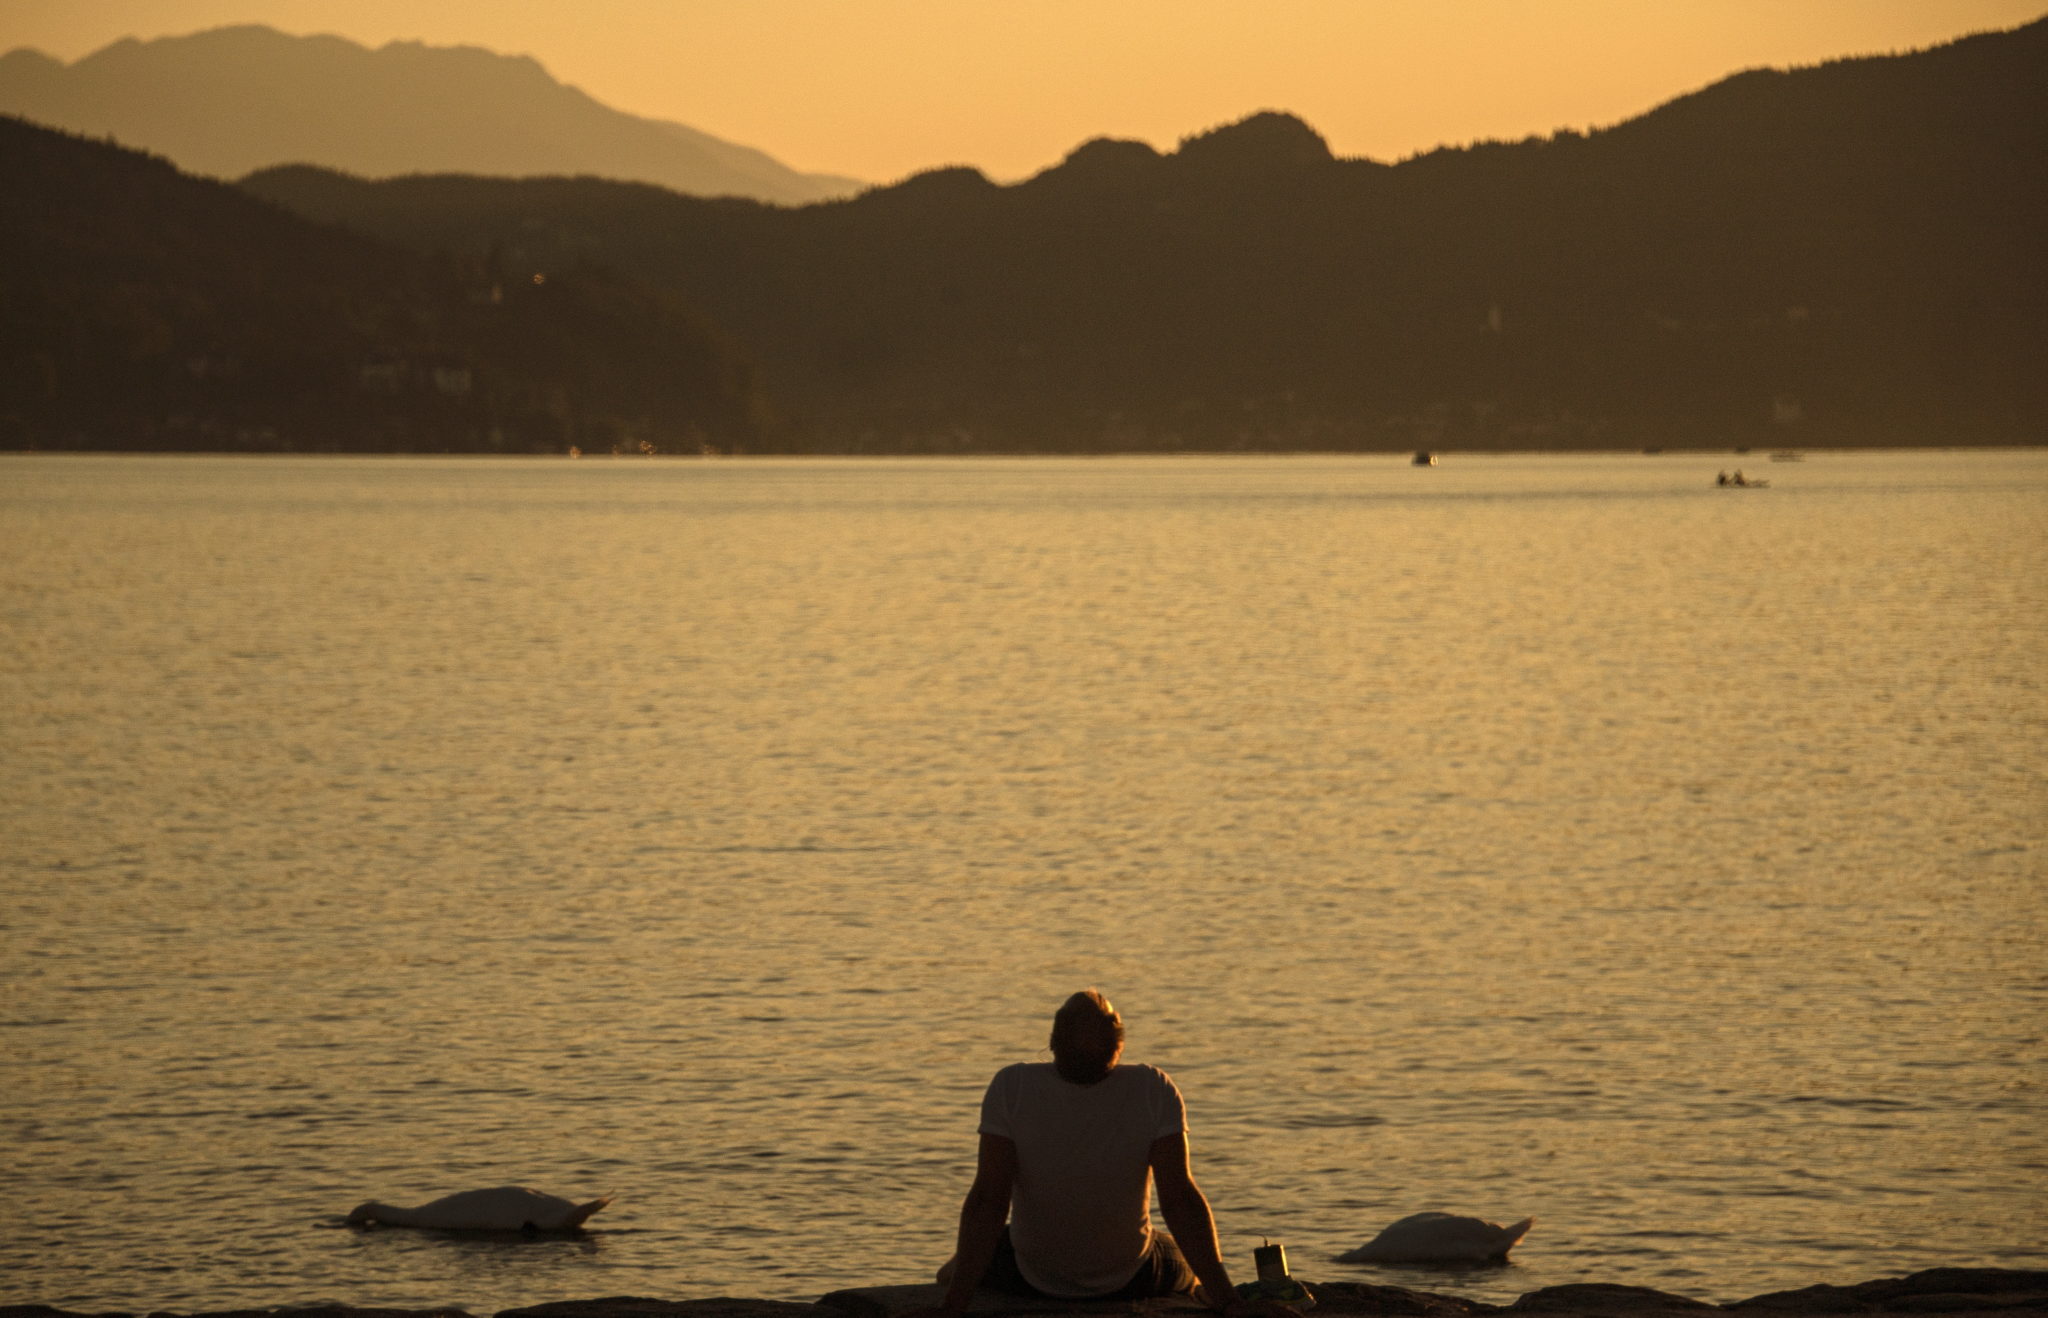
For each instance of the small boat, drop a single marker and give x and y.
(1788, 456)
(1424, 458)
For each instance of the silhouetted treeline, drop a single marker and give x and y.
(1852, 253)
(141, 308)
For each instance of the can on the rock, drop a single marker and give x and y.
(1271, 1260)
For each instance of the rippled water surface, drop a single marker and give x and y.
(1531, 835)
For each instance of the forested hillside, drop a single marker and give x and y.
(142, 308)
(1852, 253)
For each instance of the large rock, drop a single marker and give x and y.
(1357, 1297)
(884, 1301)
(2003, 1292)
(301, 1311)
(1936, 1290)
(1332, 1299)
(1603, 1297)
(630, 1306)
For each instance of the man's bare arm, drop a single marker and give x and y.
(982, 1216)
(1193, 1226)
(1186, 1210)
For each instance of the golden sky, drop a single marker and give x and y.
(879, 89)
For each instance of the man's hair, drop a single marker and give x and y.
(1086, 1035)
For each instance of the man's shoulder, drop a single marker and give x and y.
(1128, 1077)
(1018, 1075)
(1150, 1075)
(1156, 1093)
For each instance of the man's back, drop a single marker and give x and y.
(1068, 1156)
(1080, 1208)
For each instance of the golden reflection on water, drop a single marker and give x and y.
(1527, 835)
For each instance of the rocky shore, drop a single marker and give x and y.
(2006, 1292)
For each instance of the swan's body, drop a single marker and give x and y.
(1440, 1238)
(506, 1208)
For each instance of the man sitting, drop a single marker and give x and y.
(1069, 1152)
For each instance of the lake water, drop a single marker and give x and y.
(1531, 835)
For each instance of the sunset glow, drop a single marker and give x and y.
(882, 88)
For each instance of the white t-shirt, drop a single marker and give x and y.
(1080, 1216)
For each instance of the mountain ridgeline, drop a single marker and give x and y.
(233, 99)
(1855, 253)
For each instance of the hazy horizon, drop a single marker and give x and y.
(893, 87)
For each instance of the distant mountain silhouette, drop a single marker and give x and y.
(236, 99)
(141, 308)
(1850, 254)
(1847, 254)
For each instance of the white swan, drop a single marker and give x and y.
(506, 1208)
(1440, 1238)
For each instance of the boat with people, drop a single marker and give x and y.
(1738, 481)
